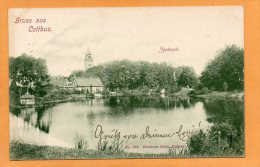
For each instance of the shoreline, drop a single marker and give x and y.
(23, 151)
(221, 96)
(213, 95)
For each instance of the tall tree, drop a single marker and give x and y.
(28, 73)
(227, 68)
(131, 75)
(186, 76)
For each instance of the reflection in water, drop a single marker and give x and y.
(230, 111)
(40, 119)
(25, 132)
(124, 106)
(149, 102)
(129, 115)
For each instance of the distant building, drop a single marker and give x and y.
(88, 60)
(89, 84)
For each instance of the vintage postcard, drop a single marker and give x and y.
(126, 82)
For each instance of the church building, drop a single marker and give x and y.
(83, 84)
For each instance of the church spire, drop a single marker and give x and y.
(88, 59)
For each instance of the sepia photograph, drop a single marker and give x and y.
(126, 82)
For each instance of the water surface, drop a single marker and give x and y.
(58, 125)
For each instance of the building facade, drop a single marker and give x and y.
(88, 85)
(81, 84)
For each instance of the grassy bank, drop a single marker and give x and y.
(21, 151)
(221, 95)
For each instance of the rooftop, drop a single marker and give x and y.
(27, 96)
(91, 81)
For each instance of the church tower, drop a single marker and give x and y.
(88, 60)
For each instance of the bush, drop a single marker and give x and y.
(196, 144)
(202, 91)
(225, 86)
(220, 140)
(105, 92)
(55, 95)
(205, 90)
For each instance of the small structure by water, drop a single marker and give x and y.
(162, 92)
(27, 99)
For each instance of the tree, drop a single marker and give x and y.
(226, 68)
(186, 76)
(127, 75)
(28, 73)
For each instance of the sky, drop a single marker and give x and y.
(134, 33)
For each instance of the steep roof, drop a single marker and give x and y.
(27, 96)
(88, 81)
(57, 81)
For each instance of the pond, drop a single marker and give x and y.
(143, 124)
